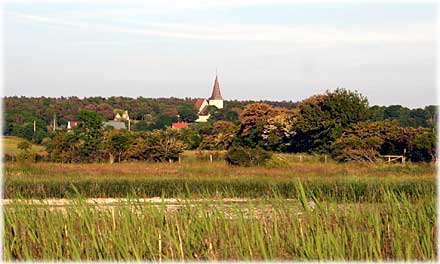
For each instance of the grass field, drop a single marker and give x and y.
(10, 146)
(360, 211)
(205, 179)
(274, 229)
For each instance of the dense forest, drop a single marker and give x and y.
(152, 113)
(339, 122)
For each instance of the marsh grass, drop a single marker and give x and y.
(291, 210)
(400, 228)
(205, 179)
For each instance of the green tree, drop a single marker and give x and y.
(321, 119)
(162, 122)
(190, 137)
(423, 147)
(117, 144)
(187, 113)
(89, 132)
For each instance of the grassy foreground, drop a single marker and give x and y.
(276, 229)
(334, 211)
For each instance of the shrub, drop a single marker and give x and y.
(25, 156)
(240, 156)
(276, 161)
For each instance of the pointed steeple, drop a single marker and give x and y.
(216, 95)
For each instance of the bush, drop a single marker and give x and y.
(240, 156)
(276, 161)
(25, 156)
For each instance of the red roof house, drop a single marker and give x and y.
(71, 124)
(179, 125)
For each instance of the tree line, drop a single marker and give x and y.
(147, 113)
(340, 123)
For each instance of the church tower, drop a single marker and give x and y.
(216, 98)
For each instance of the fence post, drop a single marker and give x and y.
(325, 158)
(210, 158)
(179, 158)
(300, 158)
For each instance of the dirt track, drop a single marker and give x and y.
(115, 201)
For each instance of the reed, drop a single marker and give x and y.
(399, 228)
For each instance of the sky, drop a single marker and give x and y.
(260, 49)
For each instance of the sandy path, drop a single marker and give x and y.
(114, 201)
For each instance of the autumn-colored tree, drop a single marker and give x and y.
(267, 127)
(366, 141)
(279, 130)
(157, 145)
(221, 137)
(105, 110)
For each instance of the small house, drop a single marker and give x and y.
(179, 125)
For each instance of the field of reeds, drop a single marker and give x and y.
(205, 179)
(297, 210)
(271, 229)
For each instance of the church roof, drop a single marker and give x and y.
(115, 124)
(216, 95)
(199, 103)
(203, 110)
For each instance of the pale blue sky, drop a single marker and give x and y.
(274, 50)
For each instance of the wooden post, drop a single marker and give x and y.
(54, 121)
(403, 157)
(35, 127)
(325, 158)
(210, 158)
(300, 158)
(179, 158)
(160, 248)
(129, 125)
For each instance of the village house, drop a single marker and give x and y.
(119, 121)
(179, 125)
(123, 117)
(71, 124)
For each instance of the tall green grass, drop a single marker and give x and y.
(270, 229)
(337, 189)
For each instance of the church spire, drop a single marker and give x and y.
(216, 95)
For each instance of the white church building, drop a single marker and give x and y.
(202, 104)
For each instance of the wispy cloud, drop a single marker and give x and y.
(303, 34)
(214, 3)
